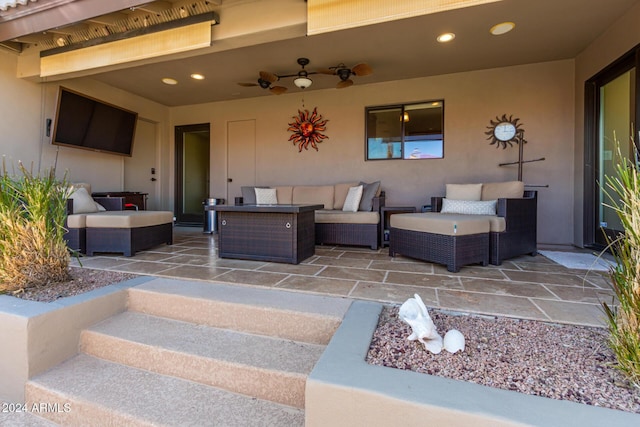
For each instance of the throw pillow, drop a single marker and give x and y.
(352, 202)
(464, 191)
(266, 196)
(82, 201)
(369, 191)
(470, 207)
(249, 195)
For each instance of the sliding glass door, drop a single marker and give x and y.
(611, 100)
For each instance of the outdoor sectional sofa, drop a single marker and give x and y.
(102, 224)
(474, 223)
(333, 225)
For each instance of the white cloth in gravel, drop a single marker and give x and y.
(579, 260)
(414, 312)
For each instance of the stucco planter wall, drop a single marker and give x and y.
(344, 390)
(36, 336)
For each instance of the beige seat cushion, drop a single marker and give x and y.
(313, 195)
(77, 221)
(507, 190)
(445, 224)
(342, 217)
(128, 219)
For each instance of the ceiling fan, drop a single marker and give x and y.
(265, 81)
(302, 80)
(345, 73)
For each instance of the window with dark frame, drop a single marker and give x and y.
(405, 131)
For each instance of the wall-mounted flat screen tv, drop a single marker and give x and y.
(85, 122)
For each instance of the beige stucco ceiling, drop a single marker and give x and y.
(546, 30)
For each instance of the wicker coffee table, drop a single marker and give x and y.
(279, 233)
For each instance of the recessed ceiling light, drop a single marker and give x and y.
(169, 81)
(502, 28)
(446, 37)
(197, 76)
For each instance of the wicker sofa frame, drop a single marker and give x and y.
(452, 251)
(128, 240)
(76, 238)
(520, 234)
(352, 234)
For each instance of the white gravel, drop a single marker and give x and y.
(551, 360)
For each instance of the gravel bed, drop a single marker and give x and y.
(562, 362)
(80, 280)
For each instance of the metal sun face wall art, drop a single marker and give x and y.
(307, 128)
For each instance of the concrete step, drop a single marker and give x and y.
(102, 393)
(21, 415)
(193, 353)
(290, 315)
(259, 366)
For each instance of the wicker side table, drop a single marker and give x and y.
(278, 233)
(385, 213)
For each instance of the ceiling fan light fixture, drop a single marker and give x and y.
(302, 81)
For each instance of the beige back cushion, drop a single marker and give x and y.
(313, 195)
(284, 194)
(464, 191)
(340, 194)
(507, 190)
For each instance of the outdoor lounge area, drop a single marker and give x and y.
(360, 133)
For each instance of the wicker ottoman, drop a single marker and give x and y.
(451, 239)
(128, 231)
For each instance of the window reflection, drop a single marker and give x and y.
(407, 131)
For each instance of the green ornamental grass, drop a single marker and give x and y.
(32, 213)
(624, 318)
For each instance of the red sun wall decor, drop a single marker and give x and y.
(307, 128)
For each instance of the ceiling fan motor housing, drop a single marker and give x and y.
(343, 73)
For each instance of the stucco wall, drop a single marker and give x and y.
(21, 133)
(541, 95)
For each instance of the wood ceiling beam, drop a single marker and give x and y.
(155, 7)
(110, 19)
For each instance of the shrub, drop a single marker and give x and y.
(624, 319)
(32, 213)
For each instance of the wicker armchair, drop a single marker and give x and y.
(520, 234)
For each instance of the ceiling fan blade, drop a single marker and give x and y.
(344, 83)
(329, 71)
(277, 90)
(362, 69)
(243, 84)
(270, 77)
